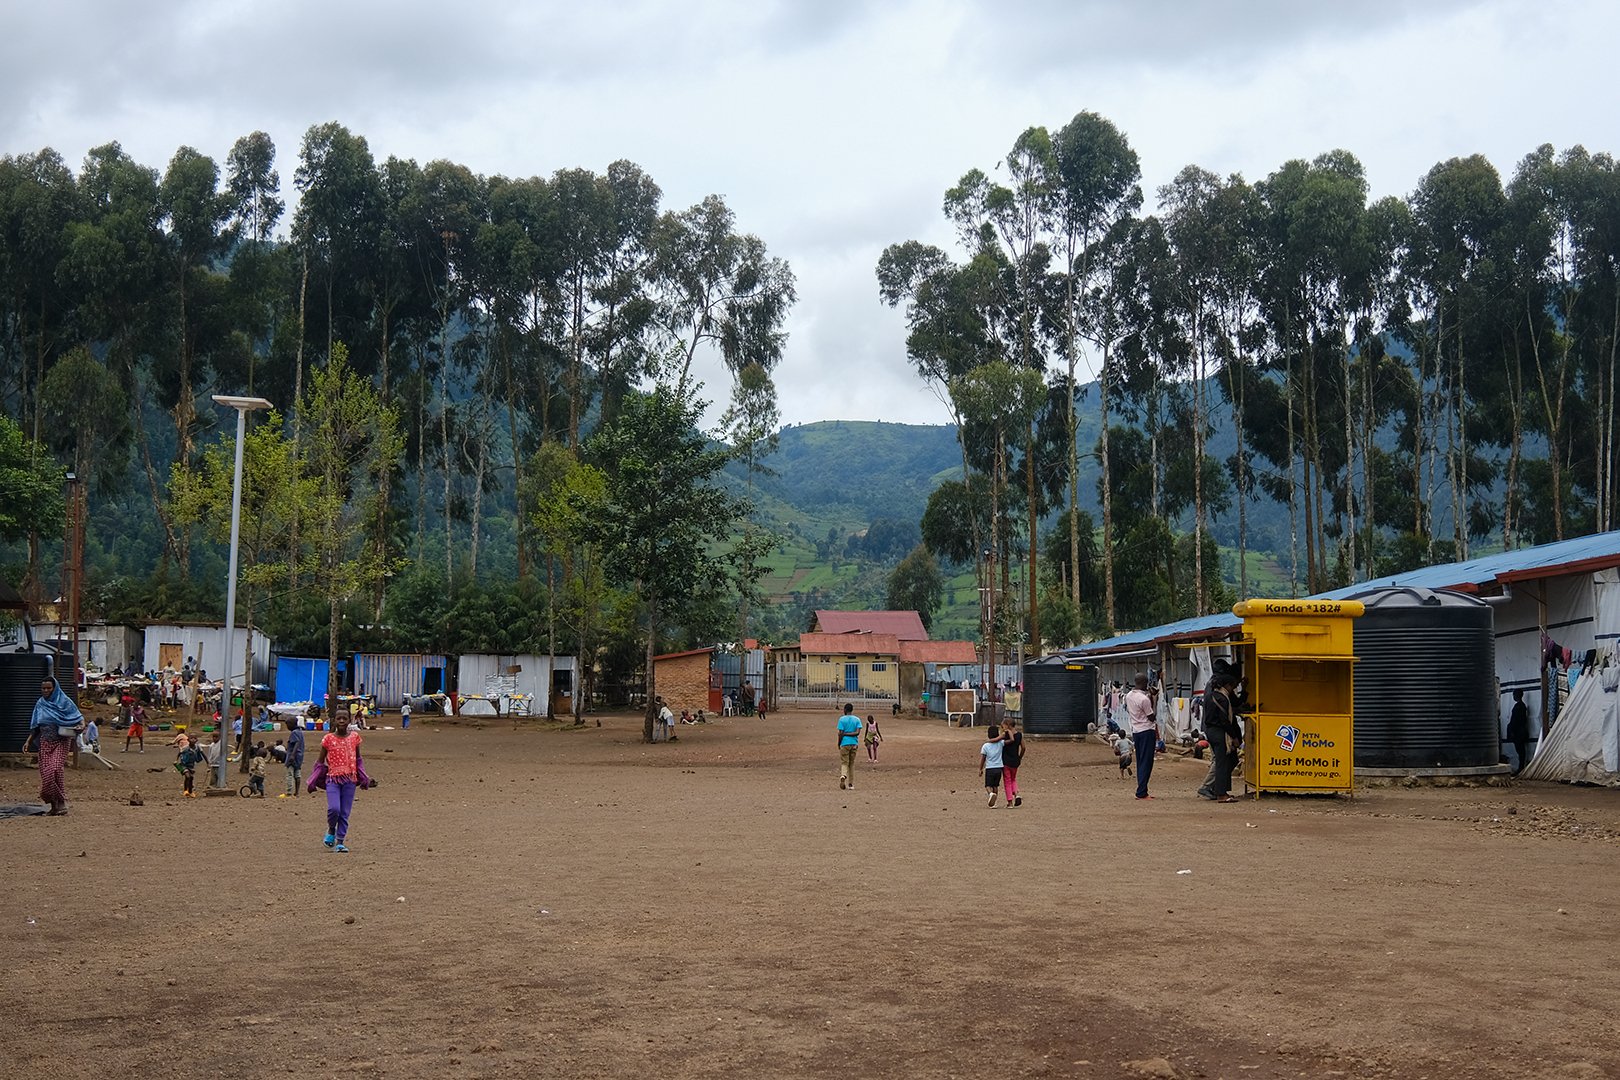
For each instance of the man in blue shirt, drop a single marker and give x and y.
(849, 739)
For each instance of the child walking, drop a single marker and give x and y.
(873, 738)
(187, 760)
(990, 763)
(340, 752)
(1012, 756)
(261, 758)
(137, 728)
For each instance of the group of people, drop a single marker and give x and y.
(57, 724)
(1002, 753)
(665, 721)
(851, 734)
(1220, 710)
(999, 759)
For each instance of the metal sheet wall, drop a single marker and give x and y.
(474, 669)
(208, 643)
(390, 676)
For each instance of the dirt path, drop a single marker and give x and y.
(562, 903)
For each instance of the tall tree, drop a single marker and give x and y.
(661, 512)
(916, 585)
(1097, 190)
(350, 439)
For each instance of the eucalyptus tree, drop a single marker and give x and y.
(949, 319)
(195, 212)
(582, 212)
(1199, 247)
(253, 188)
(39, 205)
(1373, 298)
(1009, 226)
(1097, 189)
(335, 230)
(1142, 350)
(451, 204)
(1001, 401)
(622, 346)
(1592, 196)
(1310, 248)
(406, 294)
(1457, 213)
(722, 290)
(506, 255)
(1231, 218)
(752, 423)
(115, 263)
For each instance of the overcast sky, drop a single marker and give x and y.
(832, 128)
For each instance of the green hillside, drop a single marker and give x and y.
(834, 481)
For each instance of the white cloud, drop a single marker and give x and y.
(832, 129)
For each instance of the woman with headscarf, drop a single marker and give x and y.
(55, 722)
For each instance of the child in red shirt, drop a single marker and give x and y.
(340, 752)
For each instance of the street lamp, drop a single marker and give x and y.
(242, 405)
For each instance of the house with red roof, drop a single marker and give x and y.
(865, 657)
(905, 625)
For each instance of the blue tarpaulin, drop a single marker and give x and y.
(300, 678)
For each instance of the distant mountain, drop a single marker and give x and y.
(850, 472)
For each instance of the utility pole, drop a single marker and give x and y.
(73, 562)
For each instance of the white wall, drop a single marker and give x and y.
(208, 644)
(535, 679)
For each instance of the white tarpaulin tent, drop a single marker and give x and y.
(1584, 743)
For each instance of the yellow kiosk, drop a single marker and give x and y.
(1298, 667)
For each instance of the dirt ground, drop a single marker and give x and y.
(546, 902)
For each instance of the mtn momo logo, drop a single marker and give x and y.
(1287, 737)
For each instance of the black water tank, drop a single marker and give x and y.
(1425, 681)
(20, 676)
(1059, 699)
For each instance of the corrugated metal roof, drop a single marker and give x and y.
(905, 625)
(1579, 555)
(678, 655)
(850, 644)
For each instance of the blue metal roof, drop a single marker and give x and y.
(1545, 560)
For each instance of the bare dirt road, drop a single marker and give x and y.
(572, 903)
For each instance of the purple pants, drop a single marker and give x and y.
(339, 801)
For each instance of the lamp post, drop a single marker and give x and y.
(242, 405)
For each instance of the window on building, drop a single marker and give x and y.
(880, 665)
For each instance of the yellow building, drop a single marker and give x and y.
(839, 667)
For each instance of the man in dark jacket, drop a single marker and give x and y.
(295, 757)
(1518, 731)
(1225, 734)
